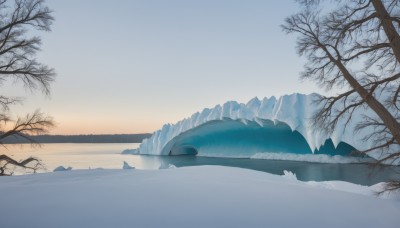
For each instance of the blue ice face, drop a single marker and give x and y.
(243, 139)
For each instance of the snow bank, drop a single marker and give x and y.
(205, 196)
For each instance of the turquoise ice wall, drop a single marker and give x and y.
(235, 138)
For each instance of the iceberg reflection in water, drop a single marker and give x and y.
(305, 171)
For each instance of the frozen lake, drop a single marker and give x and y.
(107, 155)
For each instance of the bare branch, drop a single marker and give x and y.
(18, 63)
(32, 124)
(36, 164)
(355, 33)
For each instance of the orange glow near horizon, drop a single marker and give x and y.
(113, 122)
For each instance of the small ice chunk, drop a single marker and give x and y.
(130, 151)
(127, 166)
(168, 166)
(289, 175)
(62, 168)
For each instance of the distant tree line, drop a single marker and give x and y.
(118, 138)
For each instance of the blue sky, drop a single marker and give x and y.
(131, 66)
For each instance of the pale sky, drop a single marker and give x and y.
(132, 66)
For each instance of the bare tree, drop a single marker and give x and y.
(354, 45)
(18, 63)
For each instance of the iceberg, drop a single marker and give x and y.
(271, 125)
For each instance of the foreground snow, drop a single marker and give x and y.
(205, 196)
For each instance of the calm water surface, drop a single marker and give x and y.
(107, 155)
(76, 155)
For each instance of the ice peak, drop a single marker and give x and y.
(295, 110)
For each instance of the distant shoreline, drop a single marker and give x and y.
(104, 138)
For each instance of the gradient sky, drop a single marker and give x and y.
(131, 66)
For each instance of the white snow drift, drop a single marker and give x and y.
(205, 196)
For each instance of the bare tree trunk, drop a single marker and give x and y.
(390, 31)
(373, 103)
(355, 32)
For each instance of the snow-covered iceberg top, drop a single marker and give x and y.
(295, 110)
